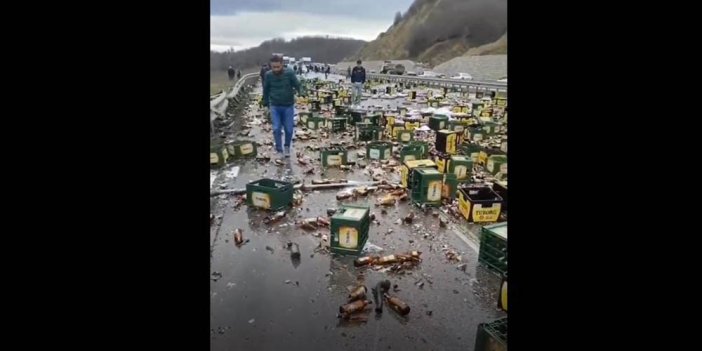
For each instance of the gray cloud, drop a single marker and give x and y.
(352, 8)
(249, 29)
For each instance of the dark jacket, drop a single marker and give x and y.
(358, 75)
(231, 72)
(278, 90)
(263, 73)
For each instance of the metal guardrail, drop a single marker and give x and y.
(442, 82)
(220, 102)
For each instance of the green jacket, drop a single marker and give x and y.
(278, 90)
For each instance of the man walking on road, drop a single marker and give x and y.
(230, 72)
(358, 79)
(279, 86)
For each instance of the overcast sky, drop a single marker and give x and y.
(243, 24)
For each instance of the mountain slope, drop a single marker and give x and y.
(435, 31)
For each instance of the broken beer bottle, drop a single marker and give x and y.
(396, 304)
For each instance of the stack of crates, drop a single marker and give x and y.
(479, 204)
(493, 247)
(446, 142)
(410, 153)
(426, 186)
(492, 336)
(407, 167)
(269, 194)
(333, 156)
(368, 132)
(242, 149)
(349, 229)
(379, 150)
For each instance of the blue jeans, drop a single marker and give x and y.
(282, 117)
(357, 91)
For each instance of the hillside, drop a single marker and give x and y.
(435, 31)
(321, 49)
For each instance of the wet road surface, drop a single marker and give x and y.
(262, 299)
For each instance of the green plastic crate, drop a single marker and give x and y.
(492, 336)
(373, 119)
(477, 108)
(242, 149)
(490, 128)
(410, 152)
(303, 116)
(493, 247)
(356, 117)
(461, 166)
(341, 110)
(379, 150)
(333, 156)
(438, 122)
(496, 164)
(456, 126)
(471, 150)
(315, 122)
(474, 134)
(403, 135)
(423, 145)
(338, 124)
(269, 194)
(218, 155)
(349, 229)
(367, 132)
(426, 186)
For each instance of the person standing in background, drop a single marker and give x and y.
(358, 79)
(231, 72)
